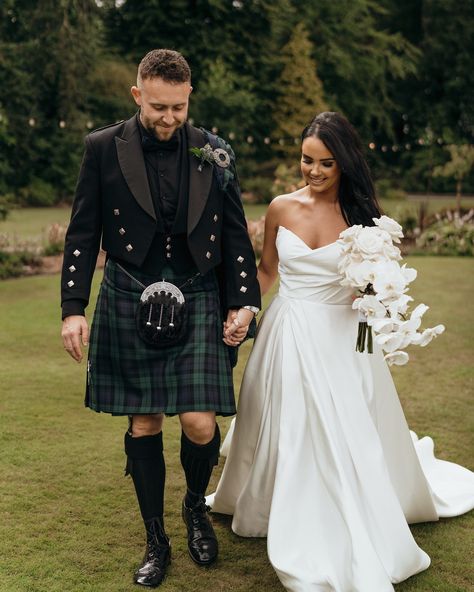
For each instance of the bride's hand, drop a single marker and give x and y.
(236, 326)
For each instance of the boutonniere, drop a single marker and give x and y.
(207, 154)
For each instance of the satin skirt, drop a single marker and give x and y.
(321, 460)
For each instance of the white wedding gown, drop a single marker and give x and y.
(321, 460)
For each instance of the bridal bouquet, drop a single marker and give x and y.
(370, 263)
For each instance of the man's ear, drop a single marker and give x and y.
(136, 94)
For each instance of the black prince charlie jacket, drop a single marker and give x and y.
(113, 203)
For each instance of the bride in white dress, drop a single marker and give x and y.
(321, 460)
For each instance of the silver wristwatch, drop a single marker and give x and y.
(253, 309)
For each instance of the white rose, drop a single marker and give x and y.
(350, 233)
(390, 251)
(391, 226)
(360, 274)
(399, 358)
(370, 241)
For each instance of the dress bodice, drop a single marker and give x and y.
(310, 274)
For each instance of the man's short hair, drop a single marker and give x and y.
(166, 64)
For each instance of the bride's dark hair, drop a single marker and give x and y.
(356, 191)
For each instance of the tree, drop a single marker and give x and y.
(460, 165)
(301, 93)
(359, 62)
(50, 53)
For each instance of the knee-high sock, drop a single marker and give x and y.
(146, 465)
(198, 460)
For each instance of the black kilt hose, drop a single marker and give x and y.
(125, 376)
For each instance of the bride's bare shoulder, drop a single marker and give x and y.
(286, 202)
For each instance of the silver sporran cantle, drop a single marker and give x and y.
(161, 315)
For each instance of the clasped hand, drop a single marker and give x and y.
(236, 326)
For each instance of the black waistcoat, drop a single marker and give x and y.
(167, 166)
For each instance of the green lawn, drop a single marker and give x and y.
(69, 520)
(33, 223)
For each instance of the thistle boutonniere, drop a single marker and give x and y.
(207, 154)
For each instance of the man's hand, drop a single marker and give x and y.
(236, 326)
(75, 330)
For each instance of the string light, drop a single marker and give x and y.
(89, 124)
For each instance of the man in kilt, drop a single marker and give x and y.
(163, 197)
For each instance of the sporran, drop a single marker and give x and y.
(161, 316)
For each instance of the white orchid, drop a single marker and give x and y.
(385, 325)
(390, 342)
(370, 263)
(370, 307)
(408, 273)
(400, 306)
(419, 311)
(399, 358)
(422, 339)
(389, 283)
(391, 226)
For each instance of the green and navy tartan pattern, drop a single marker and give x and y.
(224, 175)
(125, 376)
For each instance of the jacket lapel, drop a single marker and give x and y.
(199, 181)
(132, 164)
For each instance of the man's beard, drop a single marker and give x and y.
(155, 128)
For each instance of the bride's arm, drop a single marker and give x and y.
(268, 266)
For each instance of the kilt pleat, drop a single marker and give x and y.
(125, 376)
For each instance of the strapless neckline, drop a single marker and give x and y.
(280, 227)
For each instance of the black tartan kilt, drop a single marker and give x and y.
(126, 376)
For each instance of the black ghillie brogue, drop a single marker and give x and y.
(152, 571)
(202, 540)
